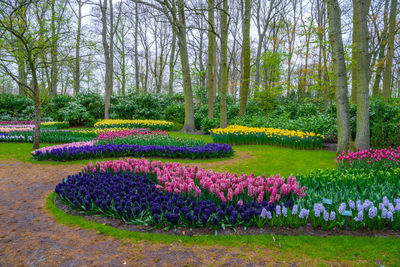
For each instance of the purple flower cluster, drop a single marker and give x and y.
(122, 150)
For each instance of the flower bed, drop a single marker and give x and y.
(15, 138)
(117, 134)
(16, 122)
(152, 124)
(378, 159)
(123, 150)
(129, 190)
(153, 193)
(50, 136)
(154, 140)
(236, 134)
(55, 125)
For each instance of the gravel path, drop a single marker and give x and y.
(29, 236)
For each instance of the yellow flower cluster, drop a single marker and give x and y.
(134, 123)
(244, 130)
(52, 123)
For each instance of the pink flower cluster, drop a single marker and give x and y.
(16, 128)
(386, 157)
(173, 177)
(127, 133)
(16, 122)
(74, 144)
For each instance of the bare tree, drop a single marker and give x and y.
(341, 91)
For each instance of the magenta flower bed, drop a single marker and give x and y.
(206, 184)
(127, 133)
(368, 159)
(16, 122)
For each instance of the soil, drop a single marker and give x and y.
(29, 236)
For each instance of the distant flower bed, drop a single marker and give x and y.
(50, 136)
(15, 138)
(170, 195)
(16, 122)
(152, 124)
(236, 135)
(16, 128)
(117, 134)
(382, 159)
(124, 150)
(55, 125)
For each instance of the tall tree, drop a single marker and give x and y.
(381, 57)
(387, 79)
(107, 47)
(211, 83)
(224, 63)
(339, 66)
(136, 33)
(22, 38)
(244, 89)
(362, 132)
(354, 54)
(172, 64)
(77, 61)
(174, 11)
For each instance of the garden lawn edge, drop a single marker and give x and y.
(345, 249)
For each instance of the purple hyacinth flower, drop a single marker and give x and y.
(304, 213)
(384, 213)
(284, 211)
(397, 208)
(342, 207)
(326, 216)
(278, 211)
(318, 209)
(295, 209)
(385, 200)
(269, 215)
(381, 206)
(263, 213)
(389, 216)
(360, 206)
(352, 205)
(391, 207)
(332, 216)
(373, 211)
(360, 216)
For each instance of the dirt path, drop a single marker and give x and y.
(30, 236)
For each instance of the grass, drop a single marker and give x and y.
(347, 250)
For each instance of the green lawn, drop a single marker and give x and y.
(340, 250)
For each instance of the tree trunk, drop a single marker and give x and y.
(108, 74)
(211, 59)
(137, 78)
(363, 131)
(53, 52)
(224, 62)
(387, 79)
(77, 73)
(354, 56)
(123, 66)
(21, 76)
(171, 65)
(341, 94)
(187, 82)
(244, 89)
